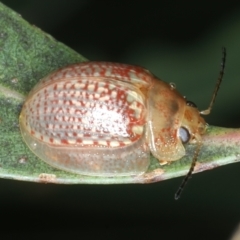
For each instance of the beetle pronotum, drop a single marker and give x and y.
(104, 119)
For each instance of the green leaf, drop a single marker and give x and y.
(26, 55)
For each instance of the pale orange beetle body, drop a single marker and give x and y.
(105, 119)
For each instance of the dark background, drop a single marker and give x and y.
(180, 42)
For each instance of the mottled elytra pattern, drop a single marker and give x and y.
(88, 106)
(86, 112)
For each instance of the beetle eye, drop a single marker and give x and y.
(184, 134)
(191, 104)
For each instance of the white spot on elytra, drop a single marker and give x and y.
(91, 87)
(88, 114)
(108, 72)
(100, 89)
(132, 76)
(60, 85)
(88, 70)
(65, 118)
(114, 144)
(96, 74)
(87, 142)
(72, 141)
(90, 96)
(74, 127)
(104, 143)
(83, 74)
(113, 94)
(138, 112)
(76, 94)
(127, 142)
(131, 96)
(72, 92)
(79, 85)
(68, 85)
(71, 111)
(111, 86)
(120, 103)
(96, 95)
(85, 120)
(136, 109)
(87, 104)
(75, 103)
(80, 135)
(94, 136)
(56, 141)
(137, 130)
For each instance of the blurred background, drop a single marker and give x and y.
(180, 42)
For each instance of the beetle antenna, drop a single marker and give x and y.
(208, 110)
(185, 180)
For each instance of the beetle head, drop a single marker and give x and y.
(193, 125)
